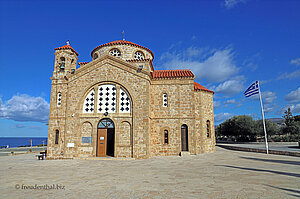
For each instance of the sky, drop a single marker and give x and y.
(228, 44)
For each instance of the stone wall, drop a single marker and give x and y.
(179, 111)
(140, 133)
(204, 112)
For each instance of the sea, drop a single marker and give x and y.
(21, 141)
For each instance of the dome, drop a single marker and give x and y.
(121, 42)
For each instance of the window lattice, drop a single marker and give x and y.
(139, 55)
(89, 102)
(107, 98)
(115, 52)
(59, 99)
(124, 102)
(165, 100)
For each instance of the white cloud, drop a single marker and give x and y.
(295, 109)
(232, 3)
(268, 97)
(231, 87)
(230, 101)
(25, 108)
(293, 96)
(292, 75)
(270, 108)
(217, 104)
(295, 61)
(220, 117)
(214, 66)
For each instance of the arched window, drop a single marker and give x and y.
(62, 64)
(106, 123)
(125, 104)
(208, 128)
(165, 100)
(166, 137)
(95, 56)
(106, 100)
(115, 52)
(89, 102)
(56, 136)
(138, 55)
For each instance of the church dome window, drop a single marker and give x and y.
(115, 52)
(95, 56)
(138, 55)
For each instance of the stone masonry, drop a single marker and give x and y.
(148, 107)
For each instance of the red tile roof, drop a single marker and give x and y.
(83, 63)
(199, 87)
(122, 42)
(66, 47)
(143, 60)
(171, 74)
(137, 60)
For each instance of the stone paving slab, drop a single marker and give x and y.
(276, 146)
(223, 174)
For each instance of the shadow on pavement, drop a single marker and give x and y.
(273, 161)
(286, 189)
(263, 170)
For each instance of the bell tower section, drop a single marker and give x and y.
(64, 65)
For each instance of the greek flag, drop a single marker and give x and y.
(252, 90)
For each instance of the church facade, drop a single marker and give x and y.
(118, 105)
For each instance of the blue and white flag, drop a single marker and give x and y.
(252, 90)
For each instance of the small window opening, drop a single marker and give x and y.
(95, 56)
(208, 128)
(166, 137)
(165, 100)
(62, 64)
(56, 136)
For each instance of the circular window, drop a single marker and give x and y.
(138, 55)
(115, 52)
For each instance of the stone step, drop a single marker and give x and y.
(185, 153)
(101, 158)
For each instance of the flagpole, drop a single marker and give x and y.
(263, 115)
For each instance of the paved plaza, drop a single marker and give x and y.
(223, 174)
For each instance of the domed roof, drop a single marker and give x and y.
(121, 42)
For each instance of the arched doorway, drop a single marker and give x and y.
(184, 138)
(105, 138)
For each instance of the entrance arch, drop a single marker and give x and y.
(184, 138)
(105, 138)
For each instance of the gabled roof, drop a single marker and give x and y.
(161, 74)
(122, 42)
(66, 47)
(199, 87)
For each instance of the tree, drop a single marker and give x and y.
(271, 128)
(288, 117)
(291, 126)
(241, 127)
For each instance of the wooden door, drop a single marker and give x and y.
(184, 138)
(101, 142)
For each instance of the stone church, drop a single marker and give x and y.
(118, 105)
